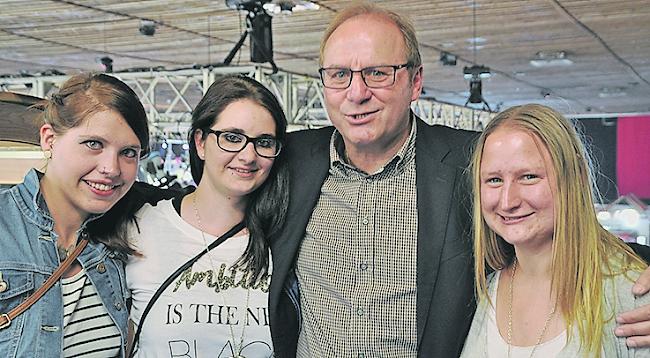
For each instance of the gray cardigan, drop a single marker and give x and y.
(618, 297)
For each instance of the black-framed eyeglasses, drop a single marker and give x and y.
(233, 142)
(373, 77)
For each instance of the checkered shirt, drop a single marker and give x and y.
(357, 263)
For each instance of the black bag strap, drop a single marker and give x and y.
(136, 338)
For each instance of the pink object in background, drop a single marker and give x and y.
(633, 156)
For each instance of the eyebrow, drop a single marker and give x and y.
(489, 173)
(240, 131)
(540, 170)
(104, 140)
(350, 68)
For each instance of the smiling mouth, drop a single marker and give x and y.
(100, 187)
(509, 219)
(361, 115)
(244, 171)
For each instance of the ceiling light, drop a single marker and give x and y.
(273, 7)
(548, 59)
(447, 59)
(475, 91)
(475, 75)
(258, 24)
(610, 92)
(106, 64)
(476, 40)
(476, 71)
(245, 4)
(147, 27)
(288, 7)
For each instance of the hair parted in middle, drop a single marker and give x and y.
(583, 252)
(266, 207)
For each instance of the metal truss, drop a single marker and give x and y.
(170, 96)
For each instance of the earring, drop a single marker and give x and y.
(47, 154)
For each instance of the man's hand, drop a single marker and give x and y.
(635, 324)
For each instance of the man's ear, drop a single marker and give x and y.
(417, 84)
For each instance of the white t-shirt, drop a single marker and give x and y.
(203, 313)
(498, 347)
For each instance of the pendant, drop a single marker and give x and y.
(63, 253)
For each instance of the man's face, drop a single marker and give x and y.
(370, 118)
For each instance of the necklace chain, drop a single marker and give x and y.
(65, 252)
(509, 333)
(236, 348)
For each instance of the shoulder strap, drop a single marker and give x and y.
(5, 318)
(136, 338)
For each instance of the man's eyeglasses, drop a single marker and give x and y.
(265, 146)
(373, 77)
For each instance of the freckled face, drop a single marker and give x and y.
(516, 196)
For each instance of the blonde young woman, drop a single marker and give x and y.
(561, 278)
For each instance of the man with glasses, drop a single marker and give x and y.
(375, 259)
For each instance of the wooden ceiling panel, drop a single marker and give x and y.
(608, 42)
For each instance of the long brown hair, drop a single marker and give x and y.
(267, 205)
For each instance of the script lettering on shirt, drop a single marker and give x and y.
(221, 282)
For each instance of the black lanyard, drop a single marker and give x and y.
(136, 338)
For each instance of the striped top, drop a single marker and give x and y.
(88, 329)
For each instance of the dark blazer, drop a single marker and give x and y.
(445, 296)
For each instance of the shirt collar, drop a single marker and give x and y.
(398, 162)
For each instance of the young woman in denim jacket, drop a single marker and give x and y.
(93, 133)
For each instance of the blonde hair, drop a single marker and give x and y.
(582, 248)
(364, 9)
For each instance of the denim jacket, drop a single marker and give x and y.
(28, 256)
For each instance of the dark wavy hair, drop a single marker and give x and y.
(267, 206)
(78, 98)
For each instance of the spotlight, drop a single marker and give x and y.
(476, 71)
(475, 91)
(249, 5)
(147, 27)
(106, 64)
(475, 75)
(552, 58)
(447, 59)
(258, 23)
(261, 41)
